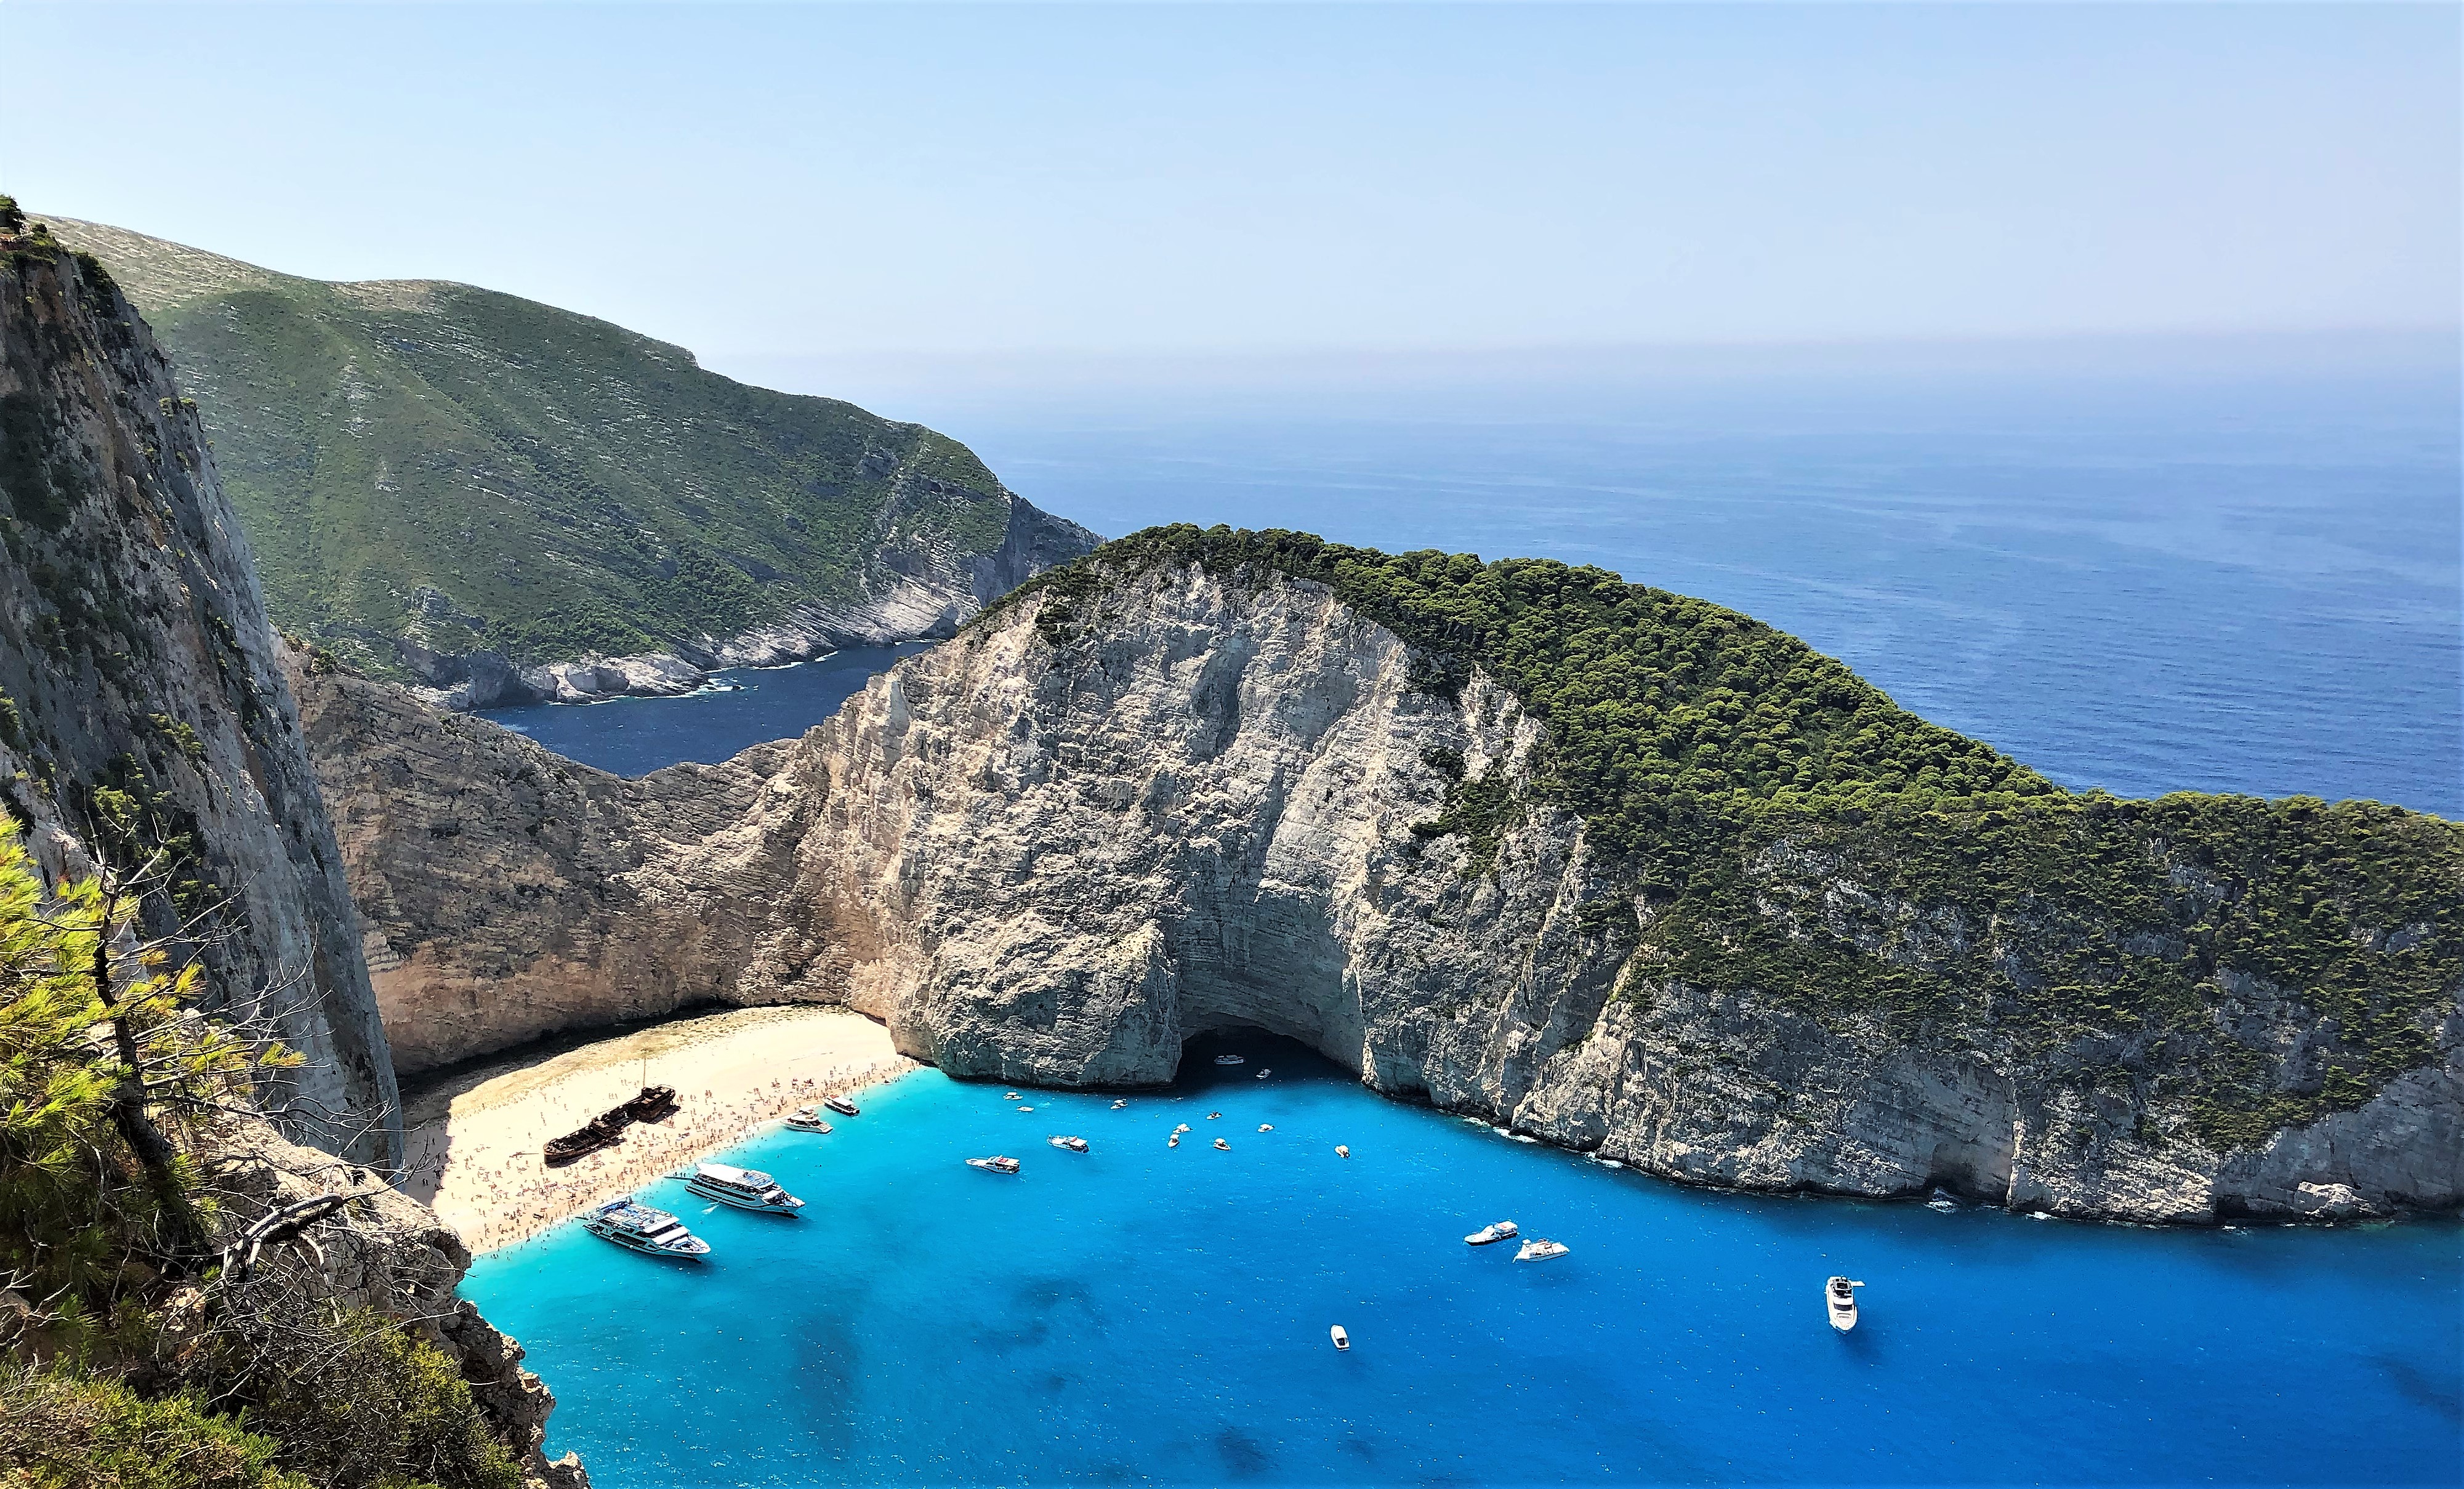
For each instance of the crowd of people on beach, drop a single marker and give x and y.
(508, 1197)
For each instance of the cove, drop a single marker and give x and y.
(1141, 1314)
(743, 706)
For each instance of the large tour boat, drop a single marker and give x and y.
(746, 1189)
(994, 1165)
(1541, 1249)
(637, 1227)
(842, 1106)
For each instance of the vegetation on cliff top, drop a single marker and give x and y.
(1790, 832)
(463, 470)
(129, 1353)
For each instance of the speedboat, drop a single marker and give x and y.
(1342, 1340)
(746, 1189)
(1009, 1095)
(1941, 1203)
(637, 1227)
(994, 1165)
(1841, 1296)
(1183, 1127)
(1211, 1116)
(1026, 1108)
(1266, 1127)
(1340, 1151)
(1225, 1147)
(842, 1106)
(1491, 1234)
(807, 1118)
(1539, 1250)
(1231, 1059)
(1264, 1074)
(1074, 1145)
(1173, 1141)
(1117, 1106)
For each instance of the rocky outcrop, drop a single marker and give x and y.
(387, 1252)
(1053, 850)
(140, 706)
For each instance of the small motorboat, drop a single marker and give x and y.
(1231, 1059)
(1225, 1147)
(1609, 1163)
(1117, 1106)
(746, 1189)
(1342, 1340)
(1839, 1296)
(1264, 1074)
(637, 1227)
(994, 1165)
(807, 1118)
(1941, 1204)
(1074, 1145)
(1183, 1127)
(1026, 1108)
(1491, 1234)
(1266, 1127)
(1009, 1095)
(1340, 1151)
(1539, 1249)
(1173, 1141)
(1212, 1116)
(842, 1106)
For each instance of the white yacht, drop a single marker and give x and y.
(842, 1106)
(994, 1165)
(1541, 1250)
(1342, 1340)
(1231, 1059)
(1491, 1234)
(1225, 1147)
(1074, 1145)
(1183, 1127)
(1840, 1297)
(807, 1118)
(637, 1227)
(1117, 1106)
(746, 1189)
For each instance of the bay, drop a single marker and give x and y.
(1144, 1314)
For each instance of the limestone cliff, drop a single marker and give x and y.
(1173, 798)
(140, 702)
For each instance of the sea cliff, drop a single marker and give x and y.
(1789, 938)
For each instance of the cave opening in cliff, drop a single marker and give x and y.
(1259, 1052)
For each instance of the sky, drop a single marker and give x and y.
(946, 182)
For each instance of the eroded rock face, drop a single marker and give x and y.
(1054, 864)
(135, 659)
(388, 1253)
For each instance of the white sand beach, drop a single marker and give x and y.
(472, 1142)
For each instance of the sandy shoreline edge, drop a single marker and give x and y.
(472, 1141)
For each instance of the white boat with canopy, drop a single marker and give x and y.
(637, 1227)
(1541, 1249)
(1839, 1296)
(807, 1118)
(746, 1189)
(1490, 1235)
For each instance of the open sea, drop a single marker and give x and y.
(2237, 585)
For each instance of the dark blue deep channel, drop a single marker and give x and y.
(1149, 1315)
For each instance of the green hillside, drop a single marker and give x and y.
(464, 471)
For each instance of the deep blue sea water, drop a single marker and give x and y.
(1150, 1314)
(2148, 584)
(745, 706)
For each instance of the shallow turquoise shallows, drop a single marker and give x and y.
(1142, 1314)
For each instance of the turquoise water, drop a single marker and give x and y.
(1147, 1315)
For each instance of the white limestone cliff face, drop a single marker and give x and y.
(1054, 864)
(134, 658)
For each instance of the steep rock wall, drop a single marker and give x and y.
(135, 659)
(1053, 850)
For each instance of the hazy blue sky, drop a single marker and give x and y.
(931, 180)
